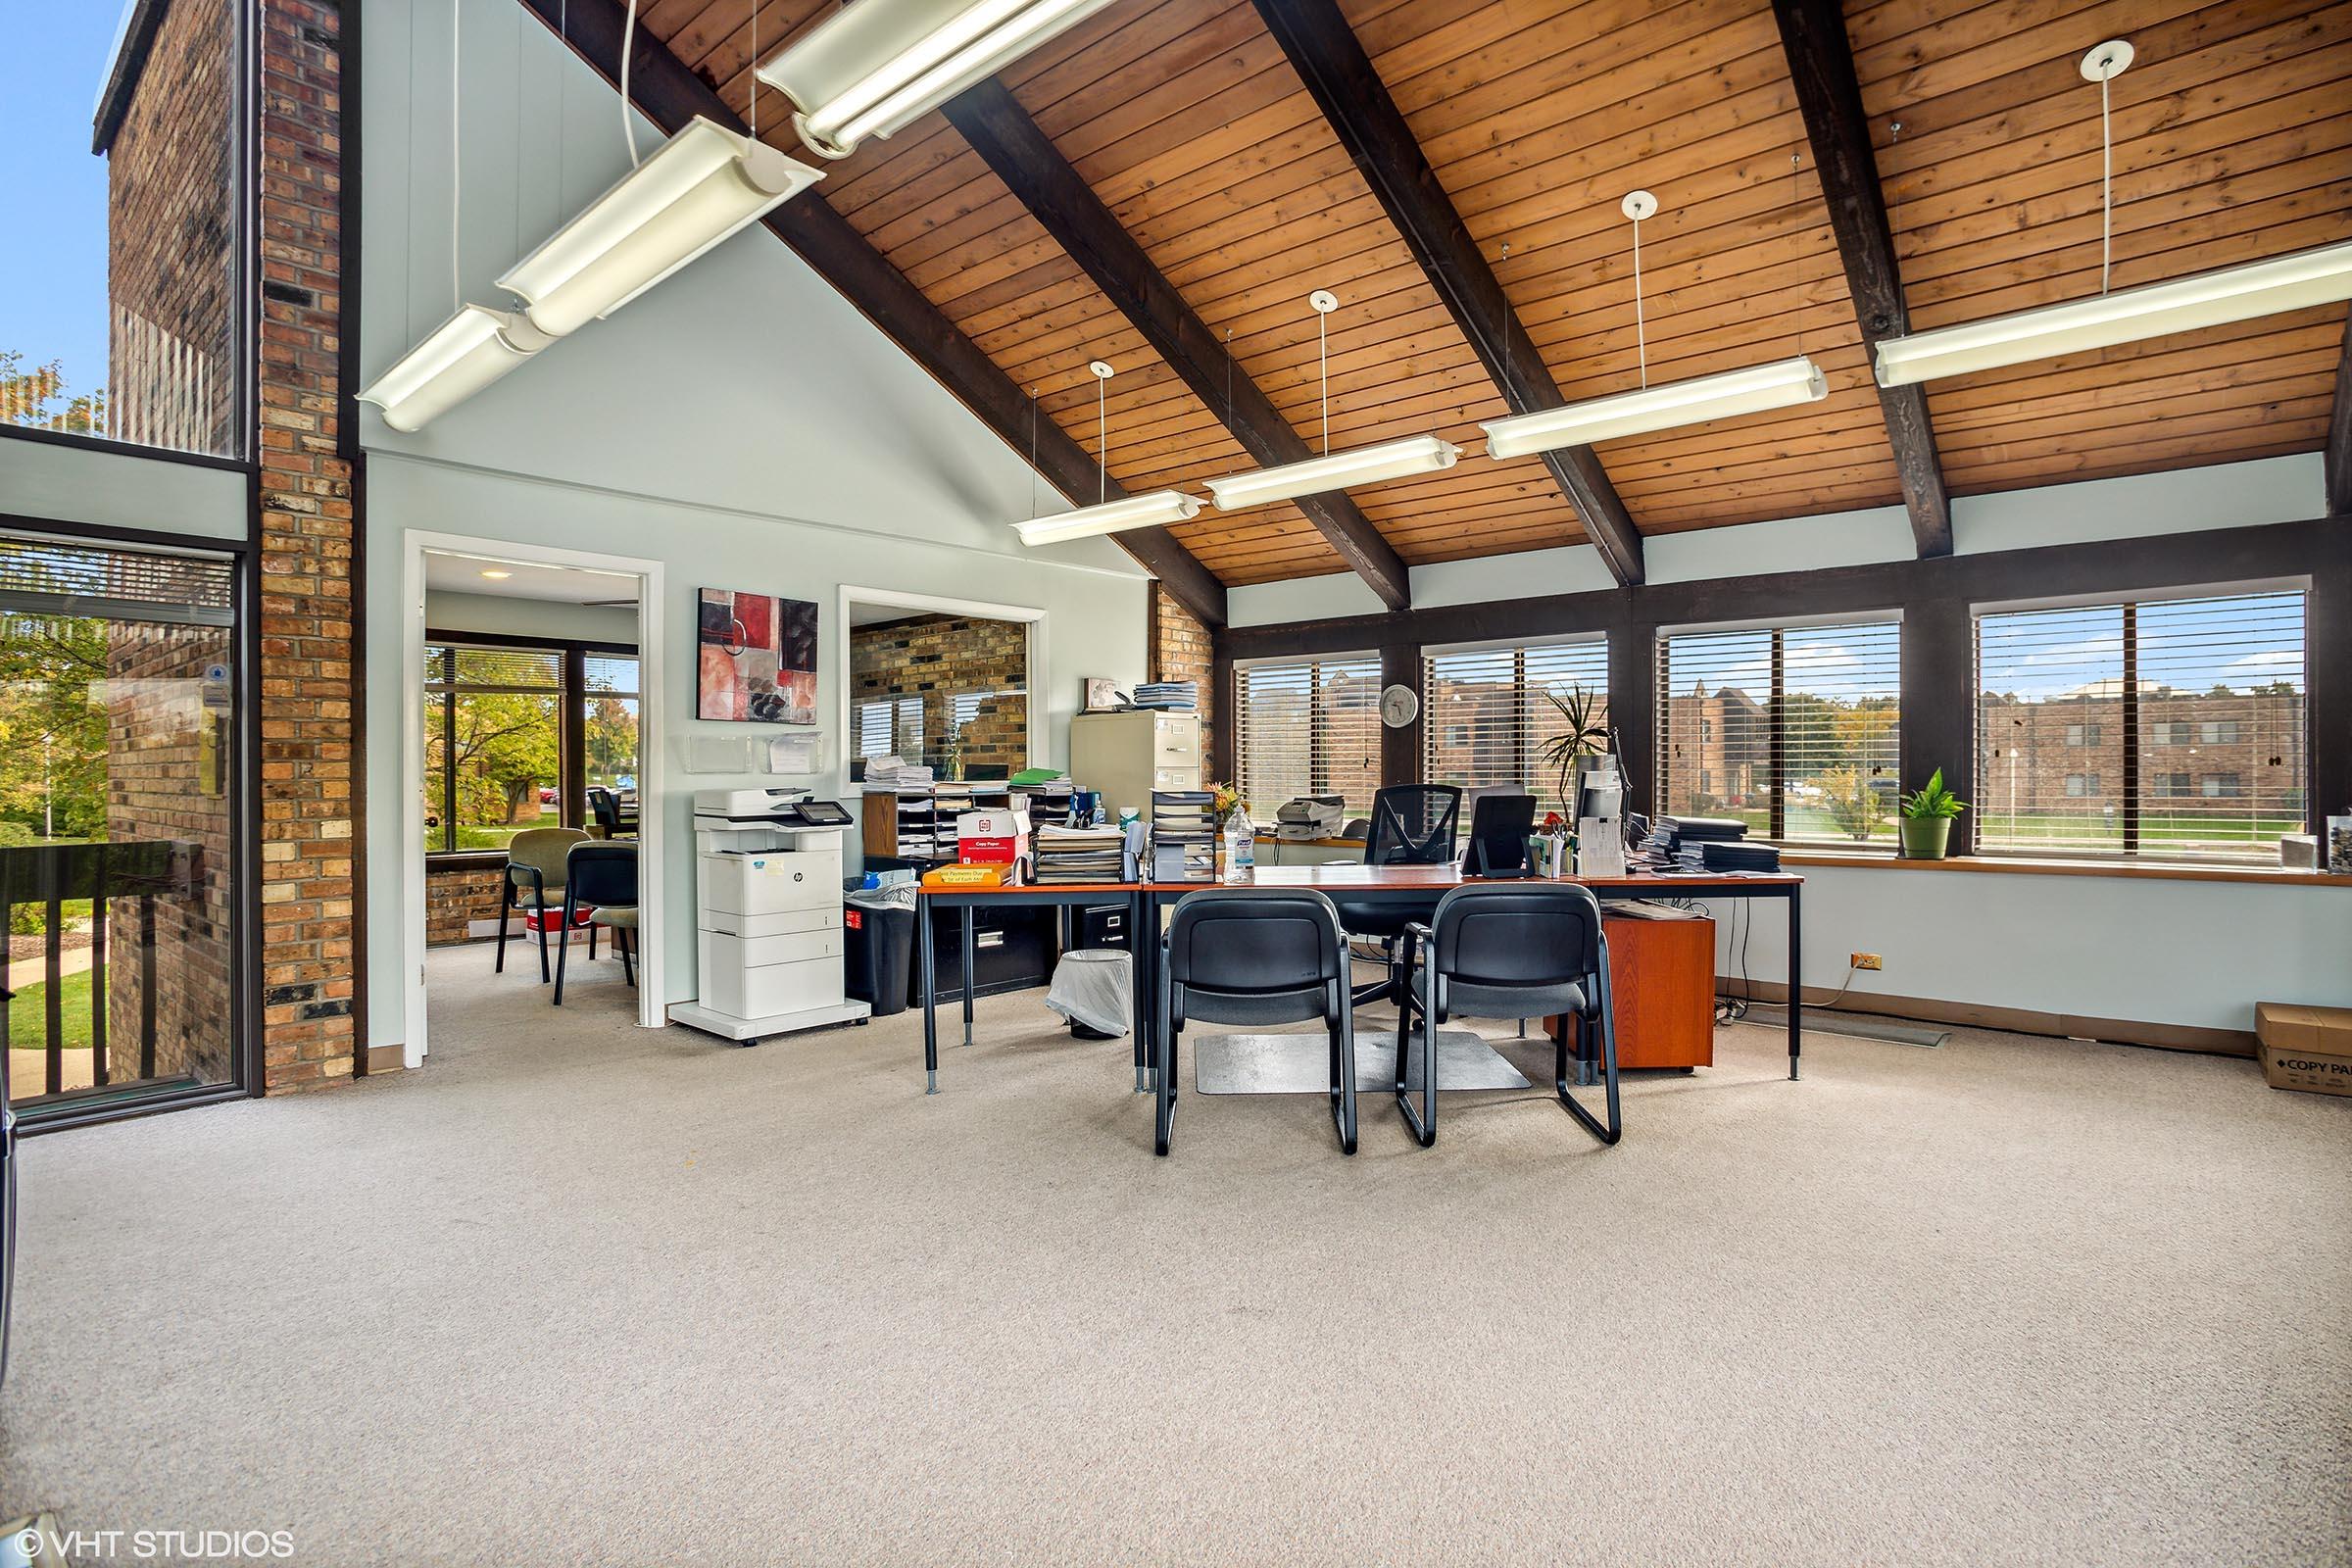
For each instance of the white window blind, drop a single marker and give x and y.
(1794, 729)
(1488, 711)
(1307, 726)
(2201, 707)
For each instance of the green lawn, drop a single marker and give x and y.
(28, 1014)
(2054, 830)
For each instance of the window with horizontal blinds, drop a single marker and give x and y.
(1796, 730)
(2172, 728)
(1307, 726)
(1487, 713)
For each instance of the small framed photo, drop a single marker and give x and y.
(2339, 844)
(1102, 693)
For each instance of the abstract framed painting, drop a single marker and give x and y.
(756, 659)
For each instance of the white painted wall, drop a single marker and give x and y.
(2134, 949)
(741, 423)
(2227, 495)
(116, 490)
(528, 617)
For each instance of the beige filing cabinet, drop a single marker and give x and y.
(1127, 756)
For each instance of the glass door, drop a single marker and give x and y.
(118, 834)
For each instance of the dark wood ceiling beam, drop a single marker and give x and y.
(2338, 459)
(669, 95)
(1025, 159)
(1340, 76)
(1821, 64)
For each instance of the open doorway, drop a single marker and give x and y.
(532, 764)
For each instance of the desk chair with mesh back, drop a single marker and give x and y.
(1511, 950)
(1412, 824)
(534, 882)
(1255, 957)
(603, 878)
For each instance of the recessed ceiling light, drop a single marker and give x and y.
(494, 574)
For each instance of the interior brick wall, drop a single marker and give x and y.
(171, 237)
(307, 536)
(1182, 649)
(936, 657)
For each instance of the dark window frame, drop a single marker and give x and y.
(571, 694)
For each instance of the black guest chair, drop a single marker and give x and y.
(1412, 824)
(604, 806)
(604, 877)
(1514, 950)
(1256, 957)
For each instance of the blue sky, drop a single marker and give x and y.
(53, 191)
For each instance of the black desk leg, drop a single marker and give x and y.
(1796, 984)
(930, 978)
(968, 974)
(1134, 995)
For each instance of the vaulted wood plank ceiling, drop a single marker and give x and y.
(2233, 141)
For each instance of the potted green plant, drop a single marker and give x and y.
(1583, 737)
(1928, 813)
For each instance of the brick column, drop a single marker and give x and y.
(308, 544)
(1183, 649)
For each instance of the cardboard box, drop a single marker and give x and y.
(2305, 1048)
(992, 838)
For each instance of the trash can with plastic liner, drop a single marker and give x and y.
(878, 946)
(1091, 989)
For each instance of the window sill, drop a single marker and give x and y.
(465, 860)
(2274, 876)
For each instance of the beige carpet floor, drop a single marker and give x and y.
(577, 1293)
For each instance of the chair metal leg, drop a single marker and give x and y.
(563, 948)
(543, 935)
(591, 940)
(506, 910)
(627, 949)
(1163, 1122)
(1603, 1017)
(1342, 1110)
(1424, 1122)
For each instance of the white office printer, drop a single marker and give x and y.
(768, 939)
(1311, 817)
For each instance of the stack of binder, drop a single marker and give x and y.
(1184, 835)
(1727, 855)
(1169, 696)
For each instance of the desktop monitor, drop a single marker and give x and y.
(1498, 828)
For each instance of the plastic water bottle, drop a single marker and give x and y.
(1241, 848)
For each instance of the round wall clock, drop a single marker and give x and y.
(1398, 706)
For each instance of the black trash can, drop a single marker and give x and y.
(877, 951)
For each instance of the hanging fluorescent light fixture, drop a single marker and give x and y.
(873, 66)
(1658, 407)
(2320, 276)
(1105, 516)
(1332, 471)
(1133, 512)
(458, 359)
(704, 185)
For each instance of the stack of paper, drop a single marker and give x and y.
(1064, 855)
(896, 773)
(1170, 696)
(1184, 835)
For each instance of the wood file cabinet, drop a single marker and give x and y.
(1662, 985)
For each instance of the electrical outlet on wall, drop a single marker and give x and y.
(1864, 960)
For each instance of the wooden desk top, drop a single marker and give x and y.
(1344, 878)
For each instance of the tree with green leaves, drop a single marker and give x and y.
(53, 731)
(36, 396)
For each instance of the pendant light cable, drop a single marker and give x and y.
(2106, 189)
(1323, 373)
(456, 157)
(1102, 440)
(628, 41)
(1033, 495)
(1641, 321)
(756, 82)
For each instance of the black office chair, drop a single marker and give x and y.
(1512, 949)
(604, 877)
(1412, 824)
(604, 806)
(1256, 957)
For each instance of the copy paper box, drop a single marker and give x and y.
(992, 838)
(2305, 1048)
